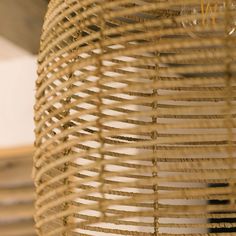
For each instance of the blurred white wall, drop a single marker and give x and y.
(17, 79)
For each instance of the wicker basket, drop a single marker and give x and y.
(135, 118)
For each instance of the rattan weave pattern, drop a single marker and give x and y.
(135, 118)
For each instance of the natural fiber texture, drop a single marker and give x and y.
(135, 118)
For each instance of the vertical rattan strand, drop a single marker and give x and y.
(229, 98)
(99, 110)
(154, 136)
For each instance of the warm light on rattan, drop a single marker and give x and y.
(135, 118)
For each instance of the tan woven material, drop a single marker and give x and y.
(135, 118)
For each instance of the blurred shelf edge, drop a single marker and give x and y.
(16, 191)
(14, 152)
(21, 22)
(16, 166)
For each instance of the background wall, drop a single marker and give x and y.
(17, 71)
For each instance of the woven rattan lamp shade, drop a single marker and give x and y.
(135, 118)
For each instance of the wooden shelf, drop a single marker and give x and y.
(14, 152)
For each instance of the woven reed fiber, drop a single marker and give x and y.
(135, 118)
